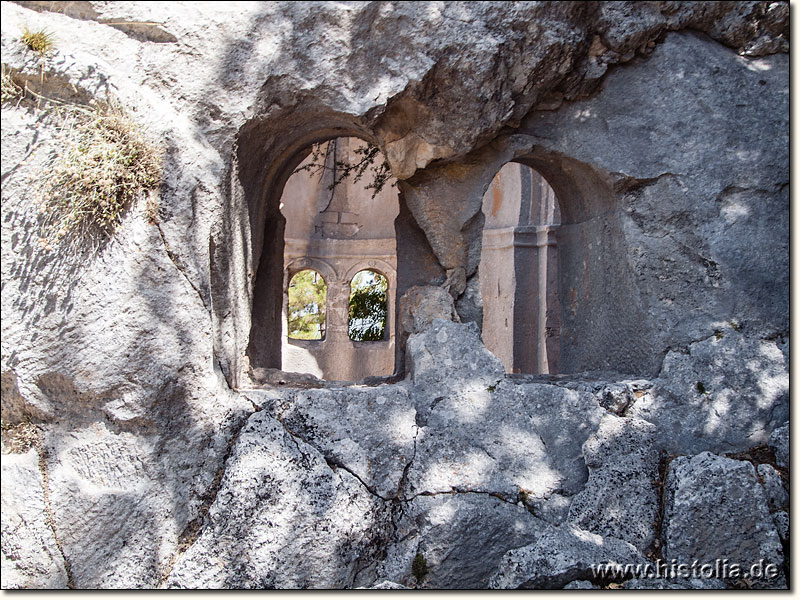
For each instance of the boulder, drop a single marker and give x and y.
(715, 509)
(460, 538)
(621, 495)
(725, 394)
(283, 518)
(581, 584)
(775, 489)
(520, 441)
(369, 431)
(561, 555)
(779, 442)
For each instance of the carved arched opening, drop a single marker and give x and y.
(518, 270)
(337, 226)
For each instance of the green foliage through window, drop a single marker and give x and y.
(368, 306)
(307, 297)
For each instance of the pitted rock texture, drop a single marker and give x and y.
(461, 537)
(370, 432)
(560, 555)
(124, 495)
(515, 440)
(31, 556)
(449, 355)
(779, 442)
(726, 393)
(663, 128)
(775, 489)
(715, 508)
(282, 518)
(620, 498)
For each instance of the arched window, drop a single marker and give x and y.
(368, 307)
(307, 297)
(518, 271)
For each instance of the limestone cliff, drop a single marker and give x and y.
(154, 459)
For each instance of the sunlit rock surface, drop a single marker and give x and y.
(165, 460)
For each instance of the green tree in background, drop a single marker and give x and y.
(307, 296)
(368, 307)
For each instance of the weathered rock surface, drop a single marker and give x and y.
(439, 358)
(779, 442)
(726, 393)
(581, 584)
(781, 520)
(715, 509)
(774, 487)
(482, 433)
(460, 536)
(513, 440)
(282, 518)
(125, 495)
(674, 584)
(560, 555)
(31, 557)
(370, 432)
(672, 171)
(620, 498)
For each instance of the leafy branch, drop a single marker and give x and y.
(324, 153)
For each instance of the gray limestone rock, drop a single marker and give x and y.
(715, 509)
(31, 557)
(560, 555)
(775, 489)
(370, 431)
(449, 355)
(461, 538)
(126, 493)
(672, 172)
(725, 394)
(420, 305)
(386, 585)
(521, 441)
(781, 520)
(282, 518)
(779, 442)
(581, 584)
(620, 498)
(674, 584)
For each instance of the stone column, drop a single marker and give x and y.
(532, 245)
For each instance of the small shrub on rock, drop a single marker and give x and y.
(40, 42)
(106, 162)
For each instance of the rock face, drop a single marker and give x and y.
(167, 458)
(779, 442)
(561, 555)
(727, 393)
(620, 497)
(31, 556)
(282, 518)
(715, 509)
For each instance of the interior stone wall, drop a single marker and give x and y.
(518, 271)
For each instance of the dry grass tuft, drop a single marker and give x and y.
(106, 163)
(20, 437)
(40, 42)
(10, 90)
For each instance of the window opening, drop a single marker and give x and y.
(367, 307)
(307, 299)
